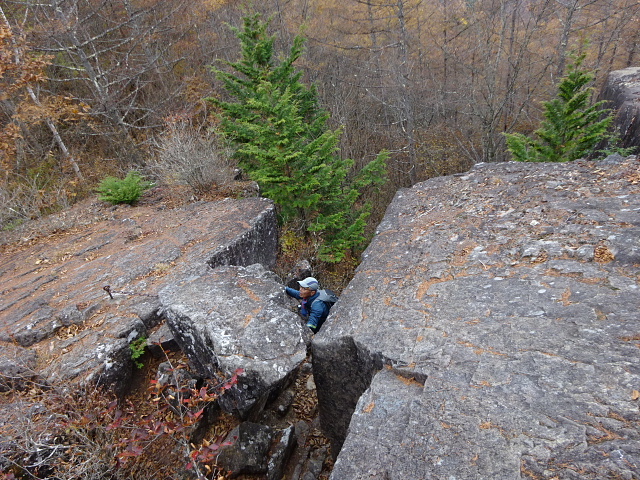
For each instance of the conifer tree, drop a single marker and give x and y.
(282, 140)
(572, 127)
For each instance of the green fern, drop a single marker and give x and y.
(138, 347)
(127, 190)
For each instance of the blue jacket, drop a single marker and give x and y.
(317, 314)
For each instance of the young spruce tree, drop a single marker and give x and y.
(282, 141)
(572, 126)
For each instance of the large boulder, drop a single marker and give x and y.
(248, 451)
(622, 93)
(237, 318)
(491, 330)
(78, 297)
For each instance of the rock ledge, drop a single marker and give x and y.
(492, 330)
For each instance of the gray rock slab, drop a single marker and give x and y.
(247, 454)
(281, 453)
(237, 317)
(161, 340)
(491, 330)
(52, 297)
(622, 92)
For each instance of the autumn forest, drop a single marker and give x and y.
(90, 88)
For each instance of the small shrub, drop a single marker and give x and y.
(290, 242)
(12, 224)
(188, 157)
(91, 435)
(138, 347)
(32, 196)
(127, 190)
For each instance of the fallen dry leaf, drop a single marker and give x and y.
(369, 407)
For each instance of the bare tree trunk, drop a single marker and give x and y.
(404, 81)
(117, 57)
(573, 11)
(633, 50)
(58, 139)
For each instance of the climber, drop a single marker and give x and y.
(314, 303)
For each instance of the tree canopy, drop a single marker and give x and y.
(573, 126)
(282, 140)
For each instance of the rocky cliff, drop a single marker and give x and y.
(622, 93)
(492, 330)
(72, 301)
(78, 294)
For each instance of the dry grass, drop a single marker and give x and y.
(188, 157)
(92, 435)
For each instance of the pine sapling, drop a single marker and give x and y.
(572, 128)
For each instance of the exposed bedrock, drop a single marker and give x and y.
(492, 330)
(53, 301)
(622, 91)
(237, 318)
